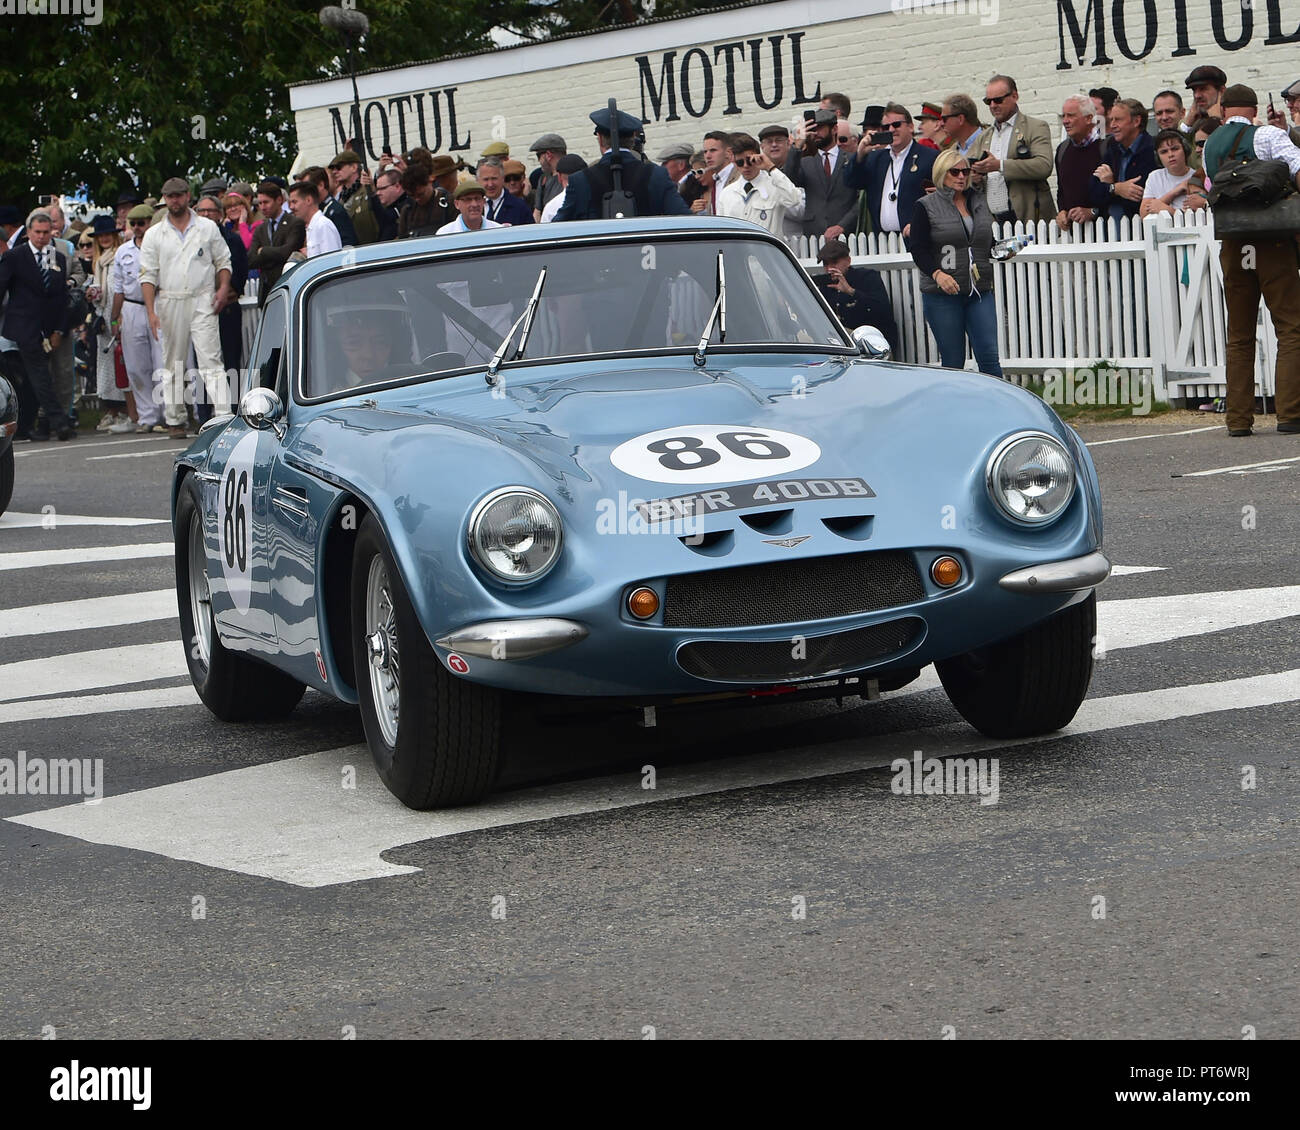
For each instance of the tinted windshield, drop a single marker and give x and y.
(434, 318)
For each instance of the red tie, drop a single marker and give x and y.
(826, 165)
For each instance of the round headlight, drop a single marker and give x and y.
(1031, 478)
(515, 534)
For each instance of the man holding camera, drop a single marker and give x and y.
(856, 294)
(892, 169)
(763, 192)
(815, 165)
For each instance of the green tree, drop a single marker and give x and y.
(158, 89)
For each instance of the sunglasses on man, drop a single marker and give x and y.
(513, 177)
(138, 223)
(996, 101)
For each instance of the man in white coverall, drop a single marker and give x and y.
(185, 282)
(141, 351)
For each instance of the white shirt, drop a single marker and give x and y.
(1272, 144)
(889, 208)
(554, 205)
(183, 264)
(999, 198)
(1160, 181)
(126, 272)
(322, 236)
(771, 193)
(458, 225)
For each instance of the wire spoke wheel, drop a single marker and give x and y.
(381, 640)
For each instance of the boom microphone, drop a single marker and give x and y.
(347, 20)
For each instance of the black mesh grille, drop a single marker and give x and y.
(791, 592)
(734, 661)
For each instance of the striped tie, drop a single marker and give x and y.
(45, 268)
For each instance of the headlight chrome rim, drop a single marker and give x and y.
(482, 507)
(991, 478)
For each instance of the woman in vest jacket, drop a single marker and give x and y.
(951, 236)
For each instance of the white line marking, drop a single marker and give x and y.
(1126, 570)
(1141, 621)
(85, 670)
(42, 708)
(64, 447)
(94, 612)
(134, 454)
(293, 822)
(16, 521)
(40, 558)
(1237, 467)
(1154, 435)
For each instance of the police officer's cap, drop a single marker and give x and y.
(627, 125)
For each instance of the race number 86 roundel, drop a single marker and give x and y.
(713, 453)
(234, 506)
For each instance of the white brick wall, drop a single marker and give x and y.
(892, 52)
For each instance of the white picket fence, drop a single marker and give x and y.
(1144, 295)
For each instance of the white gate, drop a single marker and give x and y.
(1143, 295)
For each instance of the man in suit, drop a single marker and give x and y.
(1019, 157)
(651, 187)
(274, 240)
(500, 206)
(720, 171)
(36, 277)
(891, 176)
(815, 165)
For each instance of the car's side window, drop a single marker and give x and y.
(267, 363)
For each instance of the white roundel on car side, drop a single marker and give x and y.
(713, 453)
(234, 521)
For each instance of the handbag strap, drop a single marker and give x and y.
(1237, 141)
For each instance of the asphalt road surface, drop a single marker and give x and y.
(1135, 878)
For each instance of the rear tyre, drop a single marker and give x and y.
(435, 738)
(6, 478)
(234, 687)
(1030, 684)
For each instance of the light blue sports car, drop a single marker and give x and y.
(637, 461)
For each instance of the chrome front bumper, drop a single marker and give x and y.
(1060, 576)
(514, 639)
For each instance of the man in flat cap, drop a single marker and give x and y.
(651, 187)
(565, 167)
(1257, 267)
(345, 175)
(471, 202)
(185, 284)
(676, 161)
(814, 164)
(496, 149)
(548, 148)
(141, 351)
(1291, 96)
(1207, 85)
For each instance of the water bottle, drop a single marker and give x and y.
(1006, 249)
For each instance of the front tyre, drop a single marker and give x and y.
(1030, 684)
(6, 478)
(435, 738)
(234, 687)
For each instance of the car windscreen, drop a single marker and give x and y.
(376, 326)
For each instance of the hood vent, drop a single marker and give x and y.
(855, 527)
(713, 543)
(770, 521)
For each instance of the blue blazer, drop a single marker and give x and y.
(870, 175)
(513, 210)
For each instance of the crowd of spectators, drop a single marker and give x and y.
(125, 309)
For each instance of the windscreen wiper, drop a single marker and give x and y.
(718, 314)
(526, 321)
